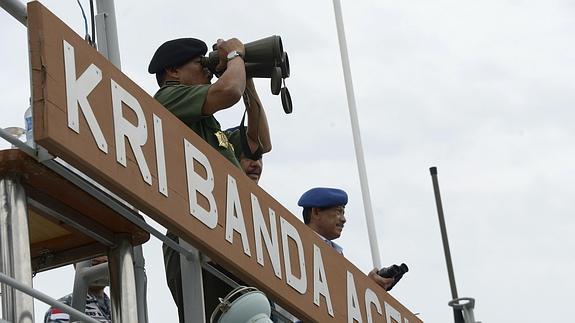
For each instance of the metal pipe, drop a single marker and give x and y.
(15, 215)
(80, 289)
(16, 9)
(192, 286)
(457, 313)
(5, 279)
(141, 284)
(5, 262)
(465, 304)
(375, 255)
(108, 44)
(17, 143)
(122, 281)
(86, 274)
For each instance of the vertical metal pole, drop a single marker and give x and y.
(192, 286)
(15, 249)
(108, 40)
(80, 288)
(122, 281)
(141, 284)
(86, 275)
(457, 313)
(108, 45)
(5, 257)
(375, 255)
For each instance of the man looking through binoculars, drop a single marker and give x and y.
(186, 91)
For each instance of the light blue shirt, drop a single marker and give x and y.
(334, 245)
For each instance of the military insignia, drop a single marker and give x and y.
(223, 140)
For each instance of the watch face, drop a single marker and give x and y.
(233, 54)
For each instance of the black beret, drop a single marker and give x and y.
(234, 137)
(323, 197)
(176, 52)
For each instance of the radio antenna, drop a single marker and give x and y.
(460, 305)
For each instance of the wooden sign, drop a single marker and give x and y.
(91, 115)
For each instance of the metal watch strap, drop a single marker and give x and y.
(234, 54)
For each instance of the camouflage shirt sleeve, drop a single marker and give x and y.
(184, 101)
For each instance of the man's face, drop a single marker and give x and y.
(328, 222)
(192, 73)
(252, 168)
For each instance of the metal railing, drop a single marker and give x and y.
(44, 298)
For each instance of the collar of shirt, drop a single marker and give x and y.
(334, 245)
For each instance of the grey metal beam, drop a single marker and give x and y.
(192, 286)
(85, 276)
(16, 9)
(17, 142)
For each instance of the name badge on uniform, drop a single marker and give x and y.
(223, 140)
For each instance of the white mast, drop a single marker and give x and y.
(375, 255)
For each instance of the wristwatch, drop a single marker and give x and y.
(233, 54)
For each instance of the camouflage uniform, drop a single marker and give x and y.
(186, 102)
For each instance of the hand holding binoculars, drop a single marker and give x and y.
(393, 271)
(264, 58)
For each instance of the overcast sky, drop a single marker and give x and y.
(483, 90)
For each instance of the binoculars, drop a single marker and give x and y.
(393, 271)
(264, 58)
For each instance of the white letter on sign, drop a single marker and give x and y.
(196, 183)
(136, 135)
(233, 222)
(289, 231)
(391, 313)
(261, 231)
(353, 311)
(77, 91)
(371, 298)
(320, 280)
(160, 156)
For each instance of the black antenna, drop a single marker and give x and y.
(87, 36)
(93, 23)
(457, 313)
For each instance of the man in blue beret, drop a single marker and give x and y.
(323, 212)
(186, 91)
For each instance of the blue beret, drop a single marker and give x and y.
(323, 197)
(176, 52)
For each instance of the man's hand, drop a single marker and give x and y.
(226, 46)
(386, 283)
(231, 84)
